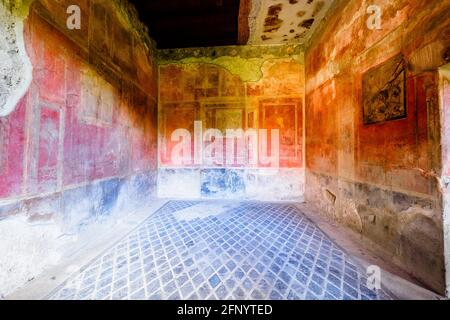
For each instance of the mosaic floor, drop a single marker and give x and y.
(204, 250)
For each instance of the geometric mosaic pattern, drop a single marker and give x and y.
(243, 251)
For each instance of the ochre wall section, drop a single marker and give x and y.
(228, 88)
(382, 178)
(81, 145)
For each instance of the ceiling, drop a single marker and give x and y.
(190, 23)
(285, 21)
(207, 23)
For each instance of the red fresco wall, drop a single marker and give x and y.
(221, 100)
(83, 119)
(211, 94)
(382, 176)
(445, 96)
(12, 135)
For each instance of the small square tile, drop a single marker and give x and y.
(187, 290)
(221, 292)
(261, 250)
(214, 281)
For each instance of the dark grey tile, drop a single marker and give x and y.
(261, 250)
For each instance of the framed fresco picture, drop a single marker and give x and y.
(384, 92)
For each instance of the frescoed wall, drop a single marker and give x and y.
(373, 129)
(80, 146)
(233, 88)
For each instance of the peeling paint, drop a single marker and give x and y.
(272, 21)
(15, 66)
(245, 62)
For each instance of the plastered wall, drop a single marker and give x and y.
(380, 176)
(80, 146)
(232, 88)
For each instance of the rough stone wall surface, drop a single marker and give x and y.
(232, 88)
(81, 145)
(15, 66)
(380, 179)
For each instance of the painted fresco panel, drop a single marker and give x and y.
(384, 92)
(97, 99)
(387, 149)
(175, 116)
(77, 140)
(51, 76)
(285, 116)
(140, 150)
(321, 130)
(251, 121)
(12, 146)
(225, 117)
(48, 149)
(445, 80)
(229, 119)
(4, 132)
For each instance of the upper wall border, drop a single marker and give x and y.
(244, 52)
